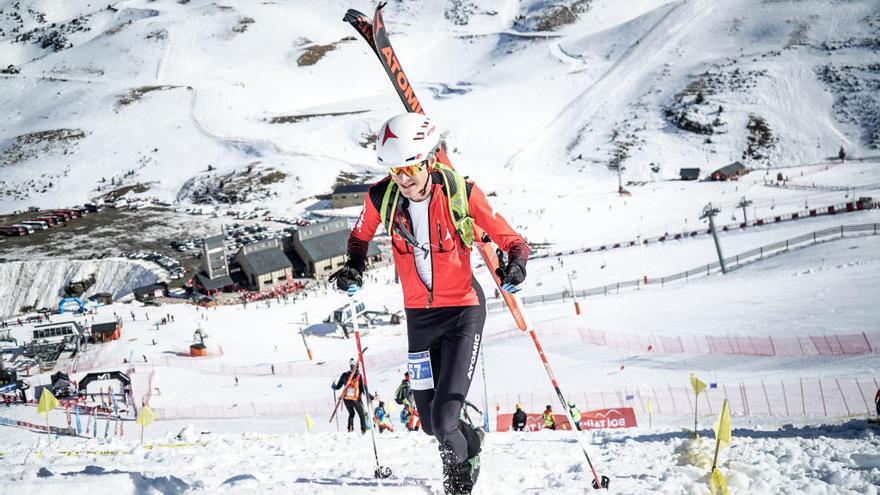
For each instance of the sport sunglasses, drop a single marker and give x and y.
(410, 170)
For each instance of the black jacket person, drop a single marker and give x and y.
(519, 419)
(352, 388)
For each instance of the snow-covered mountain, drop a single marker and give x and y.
(169, 98)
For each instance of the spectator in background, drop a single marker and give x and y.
(404, 395)
(877, 401)
(575, 414)
(549, 422)
(519, 419)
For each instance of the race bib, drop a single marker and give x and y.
(351, 393)
(420, 373)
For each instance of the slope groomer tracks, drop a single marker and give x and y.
(621, 78)
(248, 145)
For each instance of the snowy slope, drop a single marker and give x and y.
(838, 459)
(41, 284)
(244, 453)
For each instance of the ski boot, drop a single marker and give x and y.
(459, 477)
(474, 437)
(456, 475)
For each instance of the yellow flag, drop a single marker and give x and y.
(145, 416)
(47, 402)
(722, 427)
(717, 483)
(697, 384)
(309, 423)
(648, 408)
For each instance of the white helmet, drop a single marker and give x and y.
(406, 139)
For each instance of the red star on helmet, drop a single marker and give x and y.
(388, 135)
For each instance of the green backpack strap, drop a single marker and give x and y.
(388, 200)
(456, 192)
(459, 210)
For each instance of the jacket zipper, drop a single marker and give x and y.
(439, 241)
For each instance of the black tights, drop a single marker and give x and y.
(453, 336)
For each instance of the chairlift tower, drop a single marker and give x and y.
(743, 203)
(709, 212)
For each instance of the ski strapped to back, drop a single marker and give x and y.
(375, 35)
(351, 379)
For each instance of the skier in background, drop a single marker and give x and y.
(351, 395)
(404, 395)
(429, 211)
(549, 422)
(409, 416)
(382, 419)
(519, 419)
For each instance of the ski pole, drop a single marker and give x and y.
(516, 308)
(381, 471)
(485, 392)
(334, 411)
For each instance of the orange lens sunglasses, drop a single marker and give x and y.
(409, 170)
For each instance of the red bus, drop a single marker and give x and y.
(13, 230)
(59, 213)
(50, 220)
(67, 212)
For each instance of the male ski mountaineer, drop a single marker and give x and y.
(351, 395)
(429, 210)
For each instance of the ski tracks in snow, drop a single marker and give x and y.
(612, 88)
(249, 145)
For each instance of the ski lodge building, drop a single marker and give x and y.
(689, 174)
(264, 264)
(215, 276)
(150, 292)
(349, 195)
(323, 247)
(107, 332)
(102, 298)
(730, 172)
(58, 332)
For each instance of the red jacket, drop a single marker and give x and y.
(450, 259)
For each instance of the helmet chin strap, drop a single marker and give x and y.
(424, 191)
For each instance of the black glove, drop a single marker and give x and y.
(511, 274)
(347, 278)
